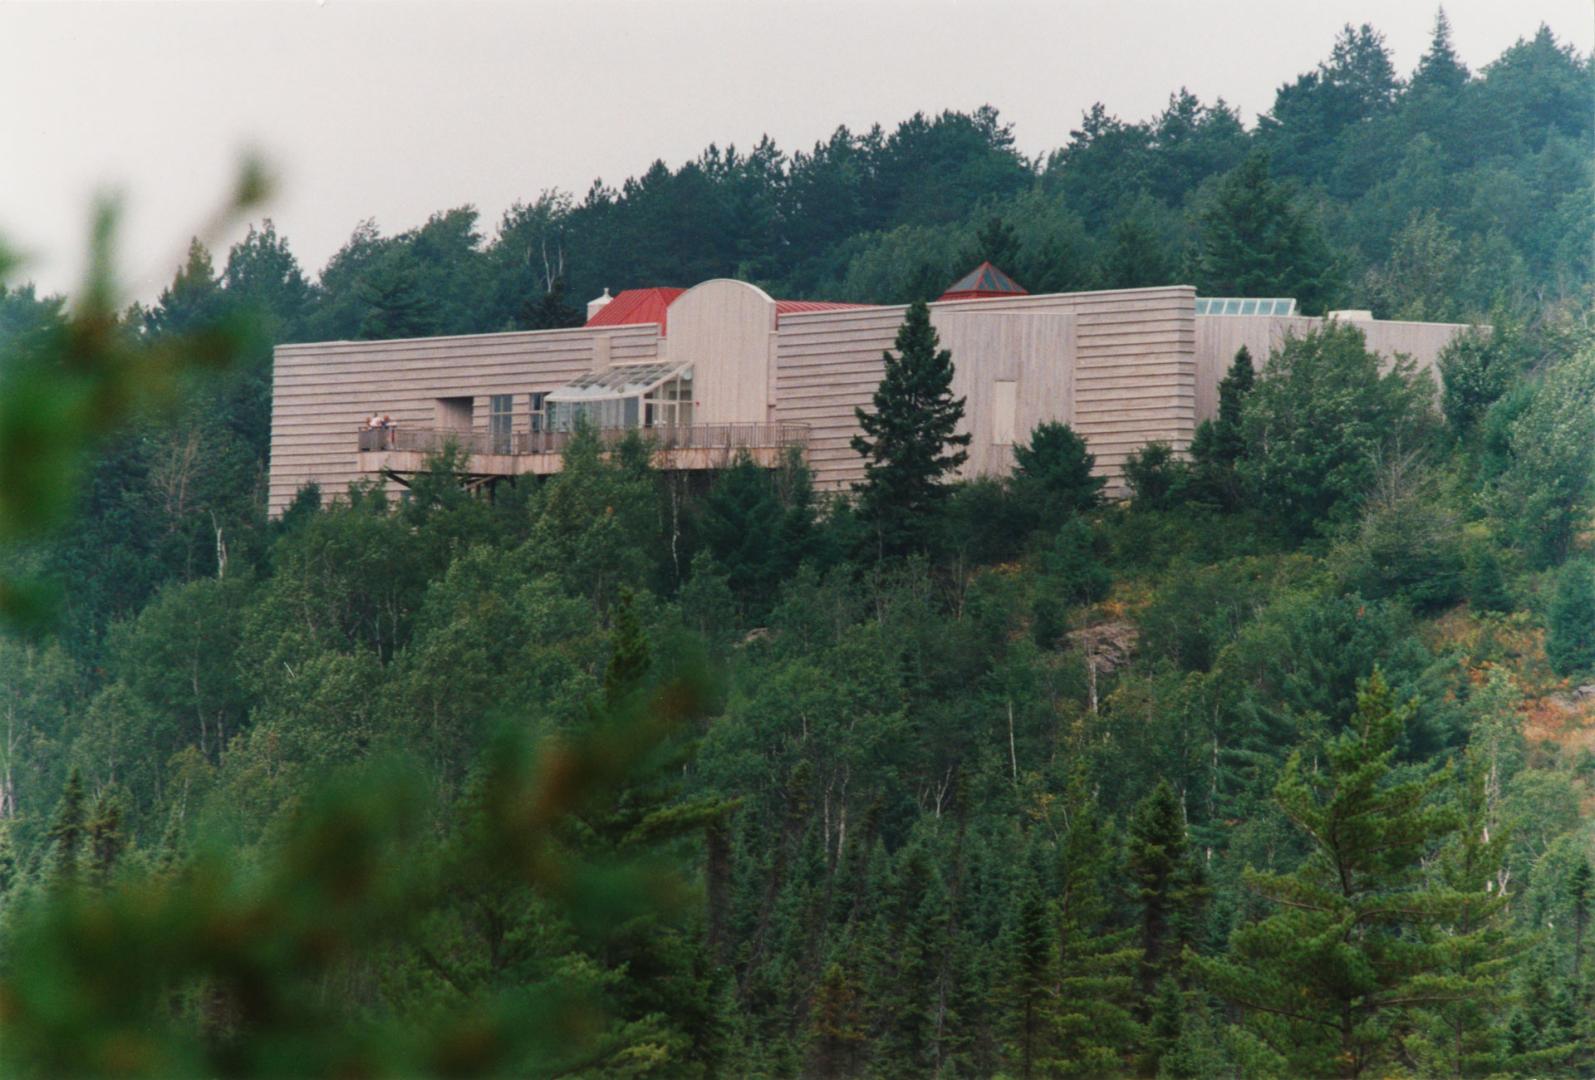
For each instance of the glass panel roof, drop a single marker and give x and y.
(1210, 305)
(620, 381)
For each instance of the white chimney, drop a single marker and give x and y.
(595, 306)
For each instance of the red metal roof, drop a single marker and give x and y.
(631, 306)
(983, 281)
(799, 307)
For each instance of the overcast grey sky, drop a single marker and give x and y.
(396, 110)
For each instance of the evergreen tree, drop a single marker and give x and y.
(1570, 637)
(1220, 443)
(1580, 896)
(1441, 71)
(66, 833)
(1462, 1036)
(629, 657)
(996, 242)
(1139, 258)
(1053, 477)
(907, 438)
(1360, 938)
(1029, 983)
(744, 526)
(550, 311)
(394, 299)
(1094, 1030)
(105, 836)
(1257, 241)
(1233, 390)
(1156, 477)
(194, 301)
(1165, 883)
(836, 1034)
(1487, 589)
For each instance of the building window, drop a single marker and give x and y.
(501, 422)
(539, 411)
(670, 405)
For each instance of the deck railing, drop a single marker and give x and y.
(686, 437)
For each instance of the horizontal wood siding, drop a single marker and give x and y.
(1132, 377)
(322, 392)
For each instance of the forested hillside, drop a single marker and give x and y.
(1279, 768)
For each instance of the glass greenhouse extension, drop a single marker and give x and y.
(625, 396)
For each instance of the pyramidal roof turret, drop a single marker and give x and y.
(983, 282)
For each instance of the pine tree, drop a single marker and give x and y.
(1358, 940)
(1138, 259)
(1486, 583)
(744, 526)
(1441, 71)
(1462, 1036)
(66, 833)
(629, 658)
(1165, 882)
(549, 311)
(836, 1029)
(910, 441)
(1580, 895)
(1028, 986)
(996, 242)
(1052, 477)
(106, 840)
(1257, 241)
(1220, 443)
(395, 301)
(1570, 642)
(193, 301)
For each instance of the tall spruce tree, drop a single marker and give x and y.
(1052, 477)
(66, 832)
(910, 440)
(1166, 884)
(1257, 241)
(1360, 938)
(1029, 985)
(1221, 442)
(1570, 643)
(1462, 1036)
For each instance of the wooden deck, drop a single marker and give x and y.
(397, 453)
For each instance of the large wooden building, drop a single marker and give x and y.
(722, 368)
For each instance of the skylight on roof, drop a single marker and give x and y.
(1238, 305)
(620, 381)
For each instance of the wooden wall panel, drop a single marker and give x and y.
(1033, 351)
(323, 392)
(1131, 379)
